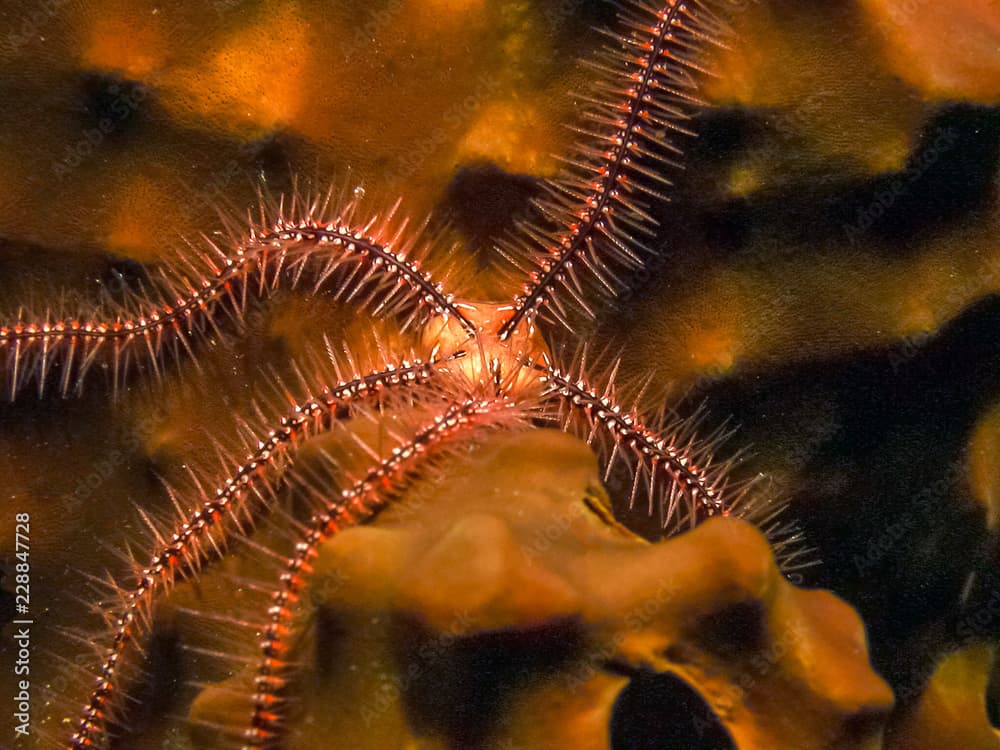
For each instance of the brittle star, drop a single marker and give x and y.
(484, 366)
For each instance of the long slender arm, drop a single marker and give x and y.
(355, 505)
(371, 262)
(222, 517)
(672, 469)
(595, 218)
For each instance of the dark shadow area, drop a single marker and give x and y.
(951, 174)
(159, 692)
(735, 631)
(661, 712)
(484, 203)
(112, 109)
(457, 686)
(883, 492)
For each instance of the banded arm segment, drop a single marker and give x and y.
(596, 218)
(371, 262)
(358, 504)
(672, 469)
(237, 502)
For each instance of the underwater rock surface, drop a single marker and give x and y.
(500, 610)
(826, 278)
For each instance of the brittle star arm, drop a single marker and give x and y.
(593, 218)
(356, 505)
(221, 517)
(673, 469)
(370, 261)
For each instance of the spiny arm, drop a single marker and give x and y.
(674, 471)
(370, 262)
(595, 218)
(356, 505)
(222, 517)
(672, 467)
